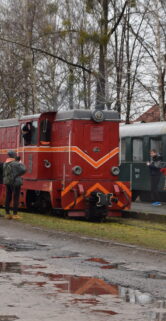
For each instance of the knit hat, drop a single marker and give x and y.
(12, 154)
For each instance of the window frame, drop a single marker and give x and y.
(140, 159)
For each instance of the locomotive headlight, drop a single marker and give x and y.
(115, 170)
(77, 170)
(98, 116)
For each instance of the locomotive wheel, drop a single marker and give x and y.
(96, 214)
(38, 201)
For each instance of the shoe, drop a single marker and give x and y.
(16, 217)
(9, 216)
(156, 204)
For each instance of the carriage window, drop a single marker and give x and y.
(123, 150)
(156, 144)
(29, 133)
(137, 150)
(45, 132)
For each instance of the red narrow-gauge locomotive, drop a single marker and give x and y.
(72, 160)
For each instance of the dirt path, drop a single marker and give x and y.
(48, 275)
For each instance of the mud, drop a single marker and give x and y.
(8, 317)
(19, 245)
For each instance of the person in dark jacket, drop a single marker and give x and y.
(155, 174)
(13, 169)
(27, 133)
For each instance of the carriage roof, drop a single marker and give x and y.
(143, 129)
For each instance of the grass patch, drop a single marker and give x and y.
(130, 231)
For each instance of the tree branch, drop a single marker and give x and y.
(119, 19)
(148, 90)
(46, 53)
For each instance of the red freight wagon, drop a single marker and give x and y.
(72, 160)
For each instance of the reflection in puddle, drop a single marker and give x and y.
(155, 275)
(157, 316)
(110, 266)
(134, 296)
(11, 267)
(122, 267)
(98, 260)
(159, 313)
(105, 311)
(38, 284)
(16, 267)
(19, 245)
(83, 285)
(85, 301)
(80, 284)
(64, 257)
(8, 317)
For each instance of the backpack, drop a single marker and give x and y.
(8, 174)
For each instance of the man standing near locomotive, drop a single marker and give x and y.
(13, 169)
(155, 174)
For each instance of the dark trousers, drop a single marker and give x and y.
(155, 179)
(12, 191)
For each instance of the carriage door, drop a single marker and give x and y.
(138, 167)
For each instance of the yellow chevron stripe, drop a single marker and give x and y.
(91, 189)
(75, 149)
(125, 188)
(80, 198)
(69, 187)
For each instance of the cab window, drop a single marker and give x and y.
(29, 133)
(34, 133)
(45, 132)
(137, 146)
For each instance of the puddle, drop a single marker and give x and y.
(121, 266)
(90, 288)
(64, 257)
(16, 267)
(157, 316)
(105, 311)
(85, 301)
(98, 260)
(155, 275)
(135, 296)
(110, 266)
(8, 317)
(20, 245)
(159, 312)
(11, 267)
(37, 284)
(80, 284)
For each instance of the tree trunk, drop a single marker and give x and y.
(101, 79)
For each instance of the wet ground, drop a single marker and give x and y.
(148, 208)
(48, 275)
